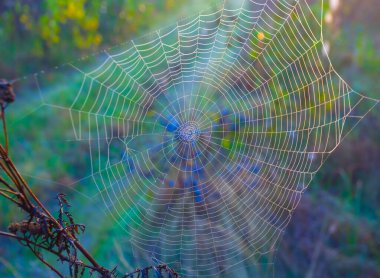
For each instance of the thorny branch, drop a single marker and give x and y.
(41, 232)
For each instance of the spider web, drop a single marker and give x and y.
(201, 137)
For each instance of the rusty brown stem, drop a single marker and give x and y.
(4, 166)
(45, 262)
(4, 127)
(14, 172)
(6, 184)
(9, 198)
(8, 191)
(29, 243)
(9, 168)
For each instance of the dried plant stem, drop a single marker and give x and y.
(4, 127)
(27, 242)
(8, 191)
(4, 165)
(43, 231)
(88, 256)
(45, 262)
(11, 169)
(30, 244)
(8, 197)
(6, 184)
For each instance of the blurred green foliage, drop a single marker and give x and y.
(34, 34)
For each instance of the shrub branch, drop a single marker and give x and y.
(41, 232)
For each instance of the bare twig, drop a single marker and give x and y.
(42, 231)
(8, 191)
(8, 197)
(6, 184)
(39, 256)
(4, 128)
(7, 96)
(20, 191)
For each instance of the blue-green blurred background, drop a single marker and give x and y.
(335, 232)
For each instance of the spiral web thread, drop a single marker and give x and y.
(201, 137)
